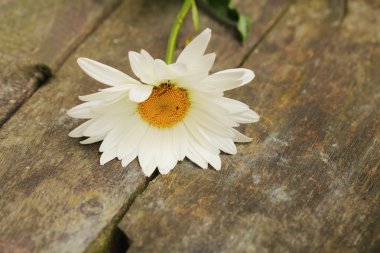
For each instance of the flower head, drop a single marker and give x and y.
(174, 111)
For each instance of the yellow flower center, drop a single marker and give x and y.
(166, 106)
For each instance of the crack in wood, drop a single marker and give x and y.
(35, 75)
(89, 31)
(344, 11)
(39, 74)
(267, 31)
(112, 239)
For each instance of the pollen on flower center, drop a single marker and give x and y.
(166, 106)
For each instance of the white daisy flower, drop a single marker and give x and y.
(174, 111)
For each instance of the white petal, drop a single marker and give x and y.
(128, 159)
(83, 111)
(120, 88)
(239, 137)
(245, 117)
(180, 136)
(212, 159)
(192, 80)
(143, 67)
(121, 106)
(216, 162)
(193, 155)
(93, 139)
(147, 151)
(129, 146)
(166, 159)
(208, 106)
(105, 74)
(208, 61)
(140, 93)
(147, 164)
(78, 131)
(232, 105)
(229, 79)
(101, 125)
(146, 55)
(177, 69)
(197, 133)
(248, 76)
(209, 139)
(134, 133)
(196, 48)
(107, 156)
(207, 121)
(104, 95)
(224, 144)
(112, 139)
(204, 64)
(161, 71)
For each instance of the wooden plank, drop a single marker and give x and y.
(35, 37)
(55, 197)
(310, 181)
(53, 191)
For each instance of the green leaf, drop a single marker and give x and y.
(244, 25)
(227, 13)
(195, 15)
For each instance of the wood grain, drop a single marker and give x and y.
(310, 180)
(35, 38)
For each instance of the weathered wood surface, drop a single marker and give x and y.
(310, 181)
(35, 38)
(55, 197)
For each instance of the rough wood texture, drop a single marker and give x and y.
(55, 197)
(35, 37)
(310, 181)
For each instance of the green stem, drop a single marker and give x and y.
(175, 29)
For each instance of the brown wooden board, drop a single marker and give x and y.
(35, 38)
(310, 180)
(55, 197)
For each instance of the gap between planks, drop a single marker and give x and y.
(107, 237)
(42, 73)
(267, 31)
